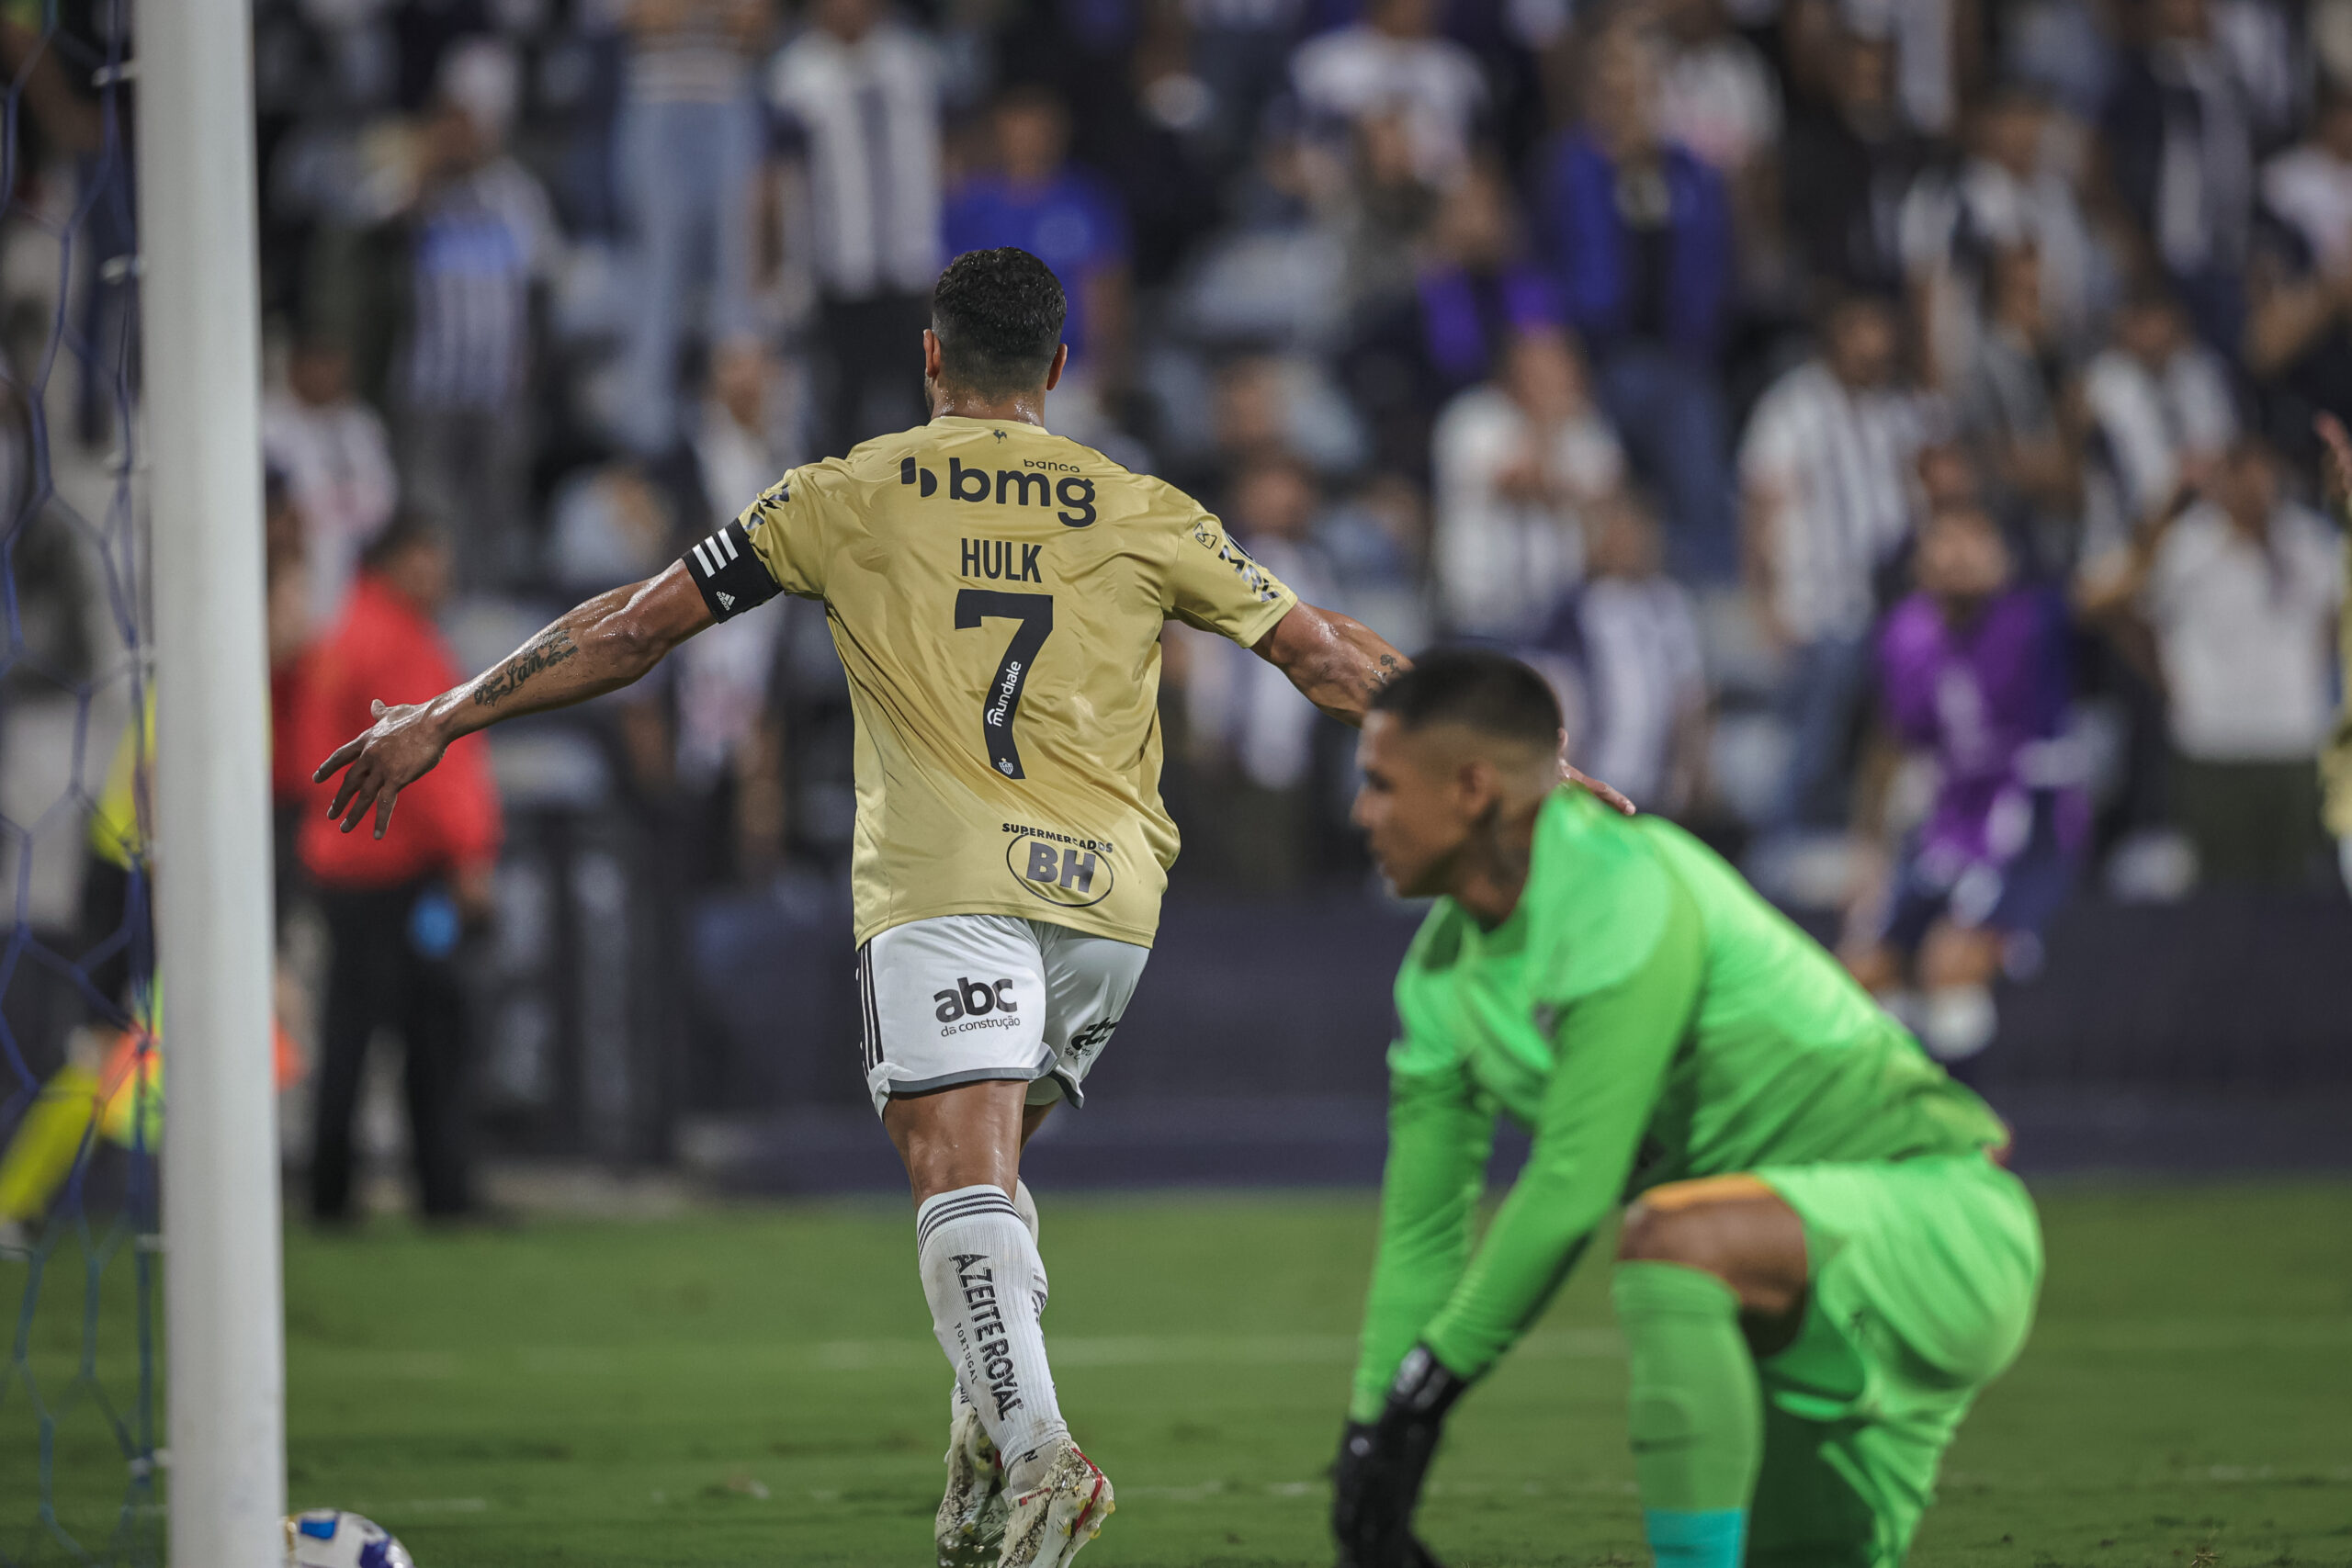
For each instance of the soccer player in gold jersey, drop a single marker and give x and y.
(997, 596)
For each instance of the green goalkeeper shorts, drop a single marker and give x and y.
(1923, 1279)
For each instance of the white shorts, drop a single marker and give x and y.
(963, 998)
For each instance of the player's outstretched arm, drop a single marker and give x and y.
(595, 648)
(1337, 662)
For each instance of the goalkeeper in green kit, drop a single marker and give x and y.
(1823, 1263)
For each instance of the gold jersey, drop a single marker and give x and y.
(997, 593)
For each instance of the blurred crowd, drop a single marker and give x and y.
(1888, 423)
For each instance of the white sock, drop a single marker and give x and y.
(982, 1275)
(1025, 1205)
(1959, 1021)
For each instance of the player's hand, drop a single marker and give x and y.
(2335, 463)
(1352, 1476)
(400, 748)
(1609, 795)
(1361, 1510)
(1377, 1482)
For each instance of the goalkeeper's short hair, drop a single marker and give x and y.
(1488, 692)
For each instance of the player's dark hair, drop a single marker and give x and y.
(998, 316)
(1489, 692)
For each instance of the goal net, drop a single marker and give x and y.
(80, 1074)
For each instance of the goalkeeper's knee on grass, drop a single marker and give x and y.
(1696, 1411)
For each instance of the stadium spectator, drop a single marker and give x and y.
(1972, 674)
(2064, 49)
(859, 96)
(2239, 587)
(737, 437)
(1474, 288)
(2160, 400)
(2017, 413)
(2181, 144)
(1242, 728)
(689, 151)
(1381, 215)
(1263, 405)
(704, 735)
(481, 237)
(1718, 97)
(397, 908)
(1923, 38)
(1516, 461)
(1639, 233)
(2005, 197)
(1623, 648)
(2298, 281)
(1378, 543)
(608, 523)
(1239, 55)
(1394, 62)
(1848, 165)
(335, 457)
(2308, 189)
(1827, 471)
(2265, 43)
(1067, 216)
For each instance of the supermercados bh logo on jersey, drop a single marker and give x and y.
(1059, 868)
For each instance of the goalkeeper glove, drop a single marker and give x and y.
(1377, 1481)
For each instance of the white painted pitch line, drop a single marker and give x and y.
(2152, 1337)
(1077, 1351)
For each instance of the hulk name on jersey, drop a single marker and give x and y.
(996, 593)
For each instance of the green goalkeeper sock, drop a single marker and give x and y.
(1696, 1416)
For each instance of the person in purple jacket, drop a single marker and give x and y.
(1973, 671)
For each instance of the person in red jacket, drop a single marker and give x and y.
(396, 907)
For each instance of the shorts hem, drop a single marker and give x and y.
(1072, 1093)
(898, 1089)
(1044, 914)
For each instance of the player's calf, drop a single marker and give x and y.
(1693, 1257)
(981, 1274)
(969, 1528)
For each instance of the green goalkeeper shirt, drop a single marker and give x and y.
(1649, 1018)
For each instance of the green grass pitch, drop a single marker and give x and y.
(758, 1386)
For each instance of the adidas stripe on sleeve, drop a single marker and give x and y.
(730, 573)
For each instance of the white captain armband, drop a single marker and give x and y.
(730, 573)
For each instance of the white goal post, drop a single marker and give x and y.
(199, 312)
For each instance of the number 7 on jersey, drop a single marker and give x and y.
(1002, 701)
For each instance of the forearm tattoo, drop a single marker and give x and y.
(550, 648)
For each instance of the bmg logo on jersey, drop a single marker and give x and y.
(1072, 495)
(1072, 875)
(975, 999)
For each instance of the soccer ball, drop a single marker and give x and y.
(329, 1538)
